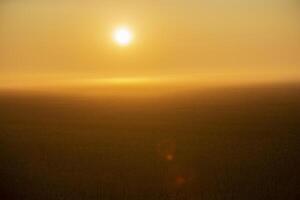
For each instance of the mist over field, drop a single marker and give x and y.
(216, 143)
(149, 100)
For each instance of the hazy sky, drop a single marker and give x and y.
(52, 41)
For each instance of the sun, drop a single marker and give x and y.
(123, 36)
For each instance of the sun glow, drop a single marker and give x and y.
(123, 36)
(125, 81)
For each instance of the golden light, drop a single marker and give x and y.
(123, 36)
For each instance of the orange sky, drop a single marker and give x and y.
(65, 41)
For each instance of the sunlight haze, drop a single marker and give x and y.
(49, 42)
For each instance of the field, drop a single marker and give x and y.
(217, 143)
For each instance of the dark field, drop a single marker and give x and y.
(230, 143)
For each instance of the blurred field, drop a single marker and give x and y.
(218, 143)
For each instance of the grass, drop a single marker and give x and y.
(232, 143)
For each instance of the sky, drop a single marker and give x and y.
(44, 42)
